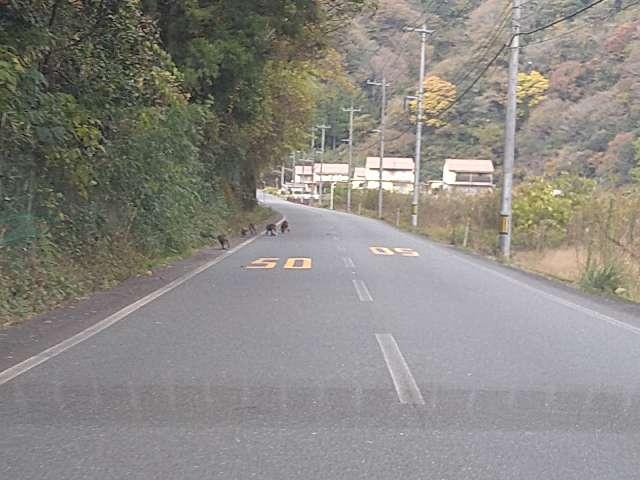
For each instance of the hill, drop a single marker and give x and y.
(585, 121)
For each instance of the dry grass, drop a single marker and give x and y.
(565, 263)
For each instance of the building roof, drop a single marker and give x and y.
(468, 165)
(331, 168)
(304, 170)
(390, 163)
(359, 173)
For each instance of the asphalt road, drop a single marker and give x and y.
(417, 363)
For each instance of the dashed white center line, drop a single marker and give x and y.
(348, 262)
(406, 386)
(362, 291)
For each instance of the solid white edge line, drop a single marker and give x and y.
(555, 298)
(403, 381)
(51, 352)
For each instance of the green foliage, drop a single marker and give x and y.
(543, 208)
(603, 278)
(135, 125)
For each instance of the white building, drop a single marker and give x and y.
(397, 174)
(304, 176)
(467, 175)
(330, 172)
(359, 178)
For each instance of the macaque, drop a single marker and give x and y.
(223, 240)
(284, 227)
(271, 229)
(252, 229)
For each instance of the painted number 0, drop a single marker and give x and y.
(385, 251)
(298, 263)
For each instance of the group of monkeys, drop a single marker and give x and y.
(270, 230)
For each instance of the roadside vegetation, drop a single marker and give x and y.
(566, 228)
(577, 175)
(131, 131)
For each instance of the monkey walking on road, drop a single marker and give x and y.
(284, 227)
(224, 241)
(271, 229)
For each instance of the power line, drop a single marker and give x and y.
(495, 57)
(486, 47)
(562, 19)
(581, 27)
(507, 45)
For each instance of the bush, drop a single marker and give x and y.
(603, 278)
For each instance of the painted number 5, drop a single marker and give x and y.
(264, 263)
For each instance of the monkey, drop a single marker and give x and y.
(284, 227)
(243, 232)
(252, 229)
(224, 241)
(271, 229)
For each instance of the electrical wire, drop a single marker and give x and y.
(487, 46)
(582, 27)
(495, 57)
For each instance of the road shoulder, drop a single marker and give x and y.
(26, 339)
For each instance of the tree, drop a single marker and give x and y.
(531, 89)
(439, 94)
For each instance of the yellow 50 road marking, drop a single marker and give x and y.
(386, 251)
(381, 251)
(294, 263)
(268, 262)
(407, 252)
(300, 263)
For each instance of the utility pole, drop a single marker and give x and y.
(351, 111)
(324, 128)
(510, 134)
(383, 84)
(333, 186)
(312, 151)
(293, 167)
(282, 177)
(420, 100)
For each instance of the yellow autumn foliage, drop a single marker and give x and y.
(439, 94)
(531, 88)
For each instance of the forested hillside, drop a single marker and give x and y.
(132, 130)
(577, 190)
(579, 82)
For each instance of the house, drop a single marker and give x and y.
(359, 179)
(467, 175)
(304, 176)
(397, 173)
(330, 172)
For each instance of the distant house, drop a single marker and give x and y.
(328, 173)
(397, 174)
(359, 179)
(304, 176)
(467, 175)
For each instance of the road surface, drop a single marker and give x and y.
(407, 360)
